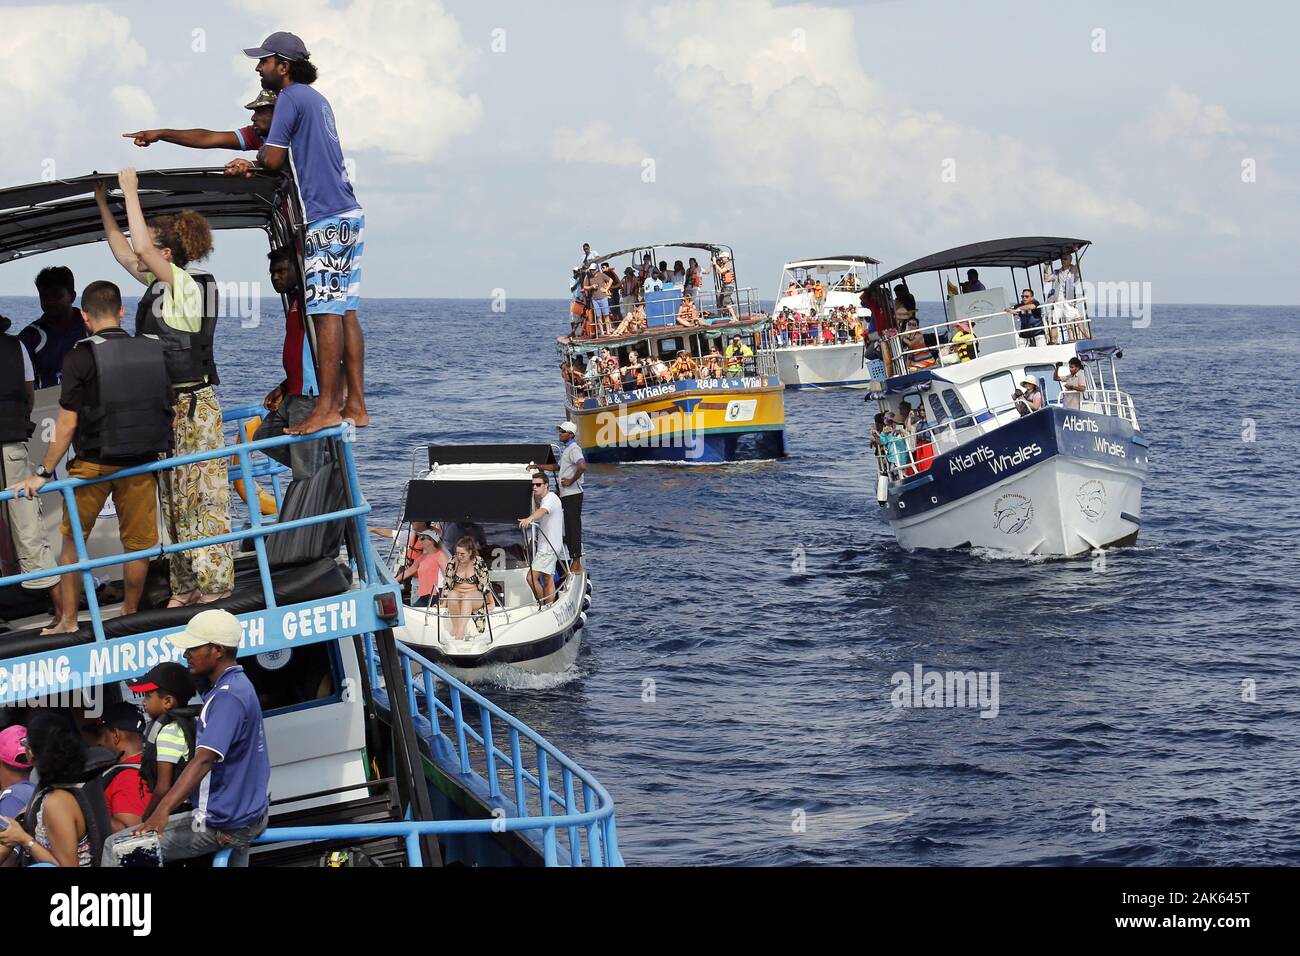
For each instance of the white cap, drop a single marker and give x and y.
(213, 626)
(568, 427)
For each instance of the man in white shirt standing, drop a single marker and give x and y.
(548, 538)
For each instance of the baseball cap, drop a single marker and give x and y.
(287, 46)
(567, 427)
(168, 677)
(12, 750)
(264, 98)
(213, 626)
(123, 716)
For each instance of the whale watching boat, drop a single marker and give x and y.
(377, 752)
(684, 371)
(990, 440)
(481, 491)
(820, 322)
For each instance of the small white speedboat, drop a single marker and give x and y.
(481, 492)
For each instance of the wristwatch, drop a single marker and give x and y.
(41, 472)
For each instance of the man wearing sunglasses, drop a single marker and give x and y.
(1031, 316)
(548, 537)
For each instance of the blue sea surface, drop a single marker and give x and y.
(733, 691)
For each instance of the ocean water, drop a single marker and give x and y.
(733, 691)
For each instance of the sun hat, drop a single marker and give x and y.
(213, 626)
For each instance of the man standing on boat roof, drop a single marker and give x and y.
(249, 137)
(573, 471)
(304, 125)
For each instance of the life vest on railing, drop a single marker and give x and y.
(728, 277)
(16, 423)
(190, 355)
(133, 417)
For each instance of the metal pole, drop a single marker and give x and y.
(411, 785)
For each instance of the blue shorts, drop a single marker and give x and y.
(333, 263)
(601, 308)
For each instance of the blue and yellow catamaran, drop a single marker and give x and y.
(682, 370)
(375, 750)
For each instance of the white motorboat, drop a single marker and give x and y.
(821, 323)
(980, 464)
(481, 492)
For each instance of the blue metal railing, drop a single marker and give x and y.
(570, 834)
(257, 531)
(268, 467)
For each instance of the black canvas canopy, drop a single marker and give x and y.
(1018, 253)
(504, 454)
(469, 502)
(709, 247)
(61, 213)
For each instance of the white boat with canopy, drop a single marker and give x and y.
(820, 322)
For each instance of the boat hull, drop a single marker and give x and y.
(1056, 483)
(823, 366)
(709, 421)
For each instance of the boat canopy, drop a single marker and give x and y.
(540, 453)
(1093, 350)
(1018, 253)
(900, 384)
(63, 213)
(712, 248)
(834, 262)
(471, 498)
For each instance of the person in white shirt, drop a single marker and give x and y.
(1073, 385)
(573, 470)
(548, 538)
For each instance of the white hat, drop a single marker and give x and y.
(568, 427)
(213, 626)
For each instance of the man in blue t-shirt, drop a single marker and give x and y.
(230, 773)
(304, 128)
(16, 788)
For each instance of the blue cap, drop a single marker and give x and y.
(287, 46)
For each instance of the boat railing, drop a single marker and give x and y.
(1064, 321)
(950, 434)
(762, 363)
(692, 310)
(257, 532)
(263, 466)
(801, 331)
(509, 765)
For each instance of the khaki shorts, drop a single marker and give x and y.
(135, 498)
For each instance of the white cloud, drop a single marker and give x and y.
(596, 143)
(135, 106)
(60, 64)
(785, 104)
(392, 70)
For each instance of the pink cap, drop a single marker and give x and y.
(12, 751)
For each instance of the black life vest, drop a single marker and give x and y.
(133, 418)
(15, 415)
(190, 355)
(186, 717)
(89, 794)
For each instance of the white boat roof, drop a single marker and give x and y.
(479, 471)
(835, 262)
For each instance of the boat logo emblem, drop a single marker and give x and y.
(1092, 500)
(1012, 512)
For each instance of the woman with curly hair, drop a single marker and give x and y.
(61, 835)
(195, 498)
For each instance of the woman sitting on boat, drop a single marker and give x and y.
(61, 835)
(917, 350)
(428, 568)
(684, 366)
(713, 368)
(688, 314)
(633, 322)
(467, 590)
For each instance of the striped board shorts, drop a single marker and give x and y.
(333, 263)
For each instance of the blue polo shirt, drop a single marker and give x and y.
(304, 124)
(235, 793)
(14, 800)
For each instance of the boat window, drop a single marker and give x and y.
(938, 415)
(669, 347)
(997, 390)
(956, 408)
(295, 677)
(1047, 383)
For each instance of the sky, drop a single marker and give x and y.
(490, 139)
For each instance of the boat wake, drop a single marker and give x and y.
(509, 677)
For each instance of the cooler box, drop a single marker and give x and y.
(661, 307)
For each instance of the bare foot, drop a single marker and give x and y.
(356, 413)
(317, 421)
(211, 598)
(60, 629)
